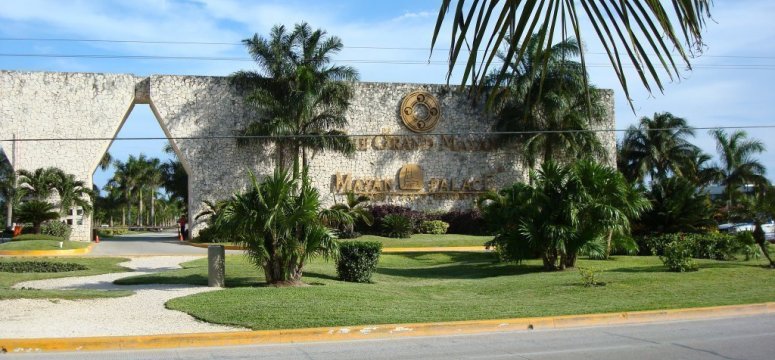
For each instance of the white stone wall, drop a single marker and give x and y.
(200, 113)
(42, 105)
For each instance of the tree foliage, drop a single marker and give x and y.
(277, 221)
(654, 37)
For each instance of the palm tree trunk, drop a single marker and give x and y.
(153, 208)
(9, 213)
(608, 244)
(140, 207)
(124, 211)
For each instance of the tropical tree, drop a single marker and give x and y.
(153, 180)
(647, 35)
(39, 184)
(564, 208)
(72, 193)
(738, 166)
(175, 180)
(677, 206)
(126, 177)
(277, 221)
(657, 147)
(343, 216)
(106, 161)
(546, 101)
(301, 99)
(698, 170)
(36, 212)
(8, 189)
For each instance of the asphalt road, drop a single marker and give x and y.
(731, 338)
(146, 244)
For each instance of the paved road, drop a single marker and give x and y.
(161, 243)
(732, 338)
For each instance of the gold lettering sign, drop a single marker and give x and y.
(410, 177)
(420, 111)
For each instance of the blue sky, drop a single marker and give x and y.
(722, 90)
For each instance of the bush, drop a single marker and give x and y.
(397, 226)
(714, 246)
(748, 245)
(468, 222)
(39, 267)
(434, 227)
(56, 228)
(207, 235)
(357, 260)
(24, 237)
(677, 256)
(589, 277)
(379, 212)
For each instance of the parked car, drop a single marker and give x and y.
(769, 228)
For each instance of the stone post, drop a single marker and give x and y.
(216, 266)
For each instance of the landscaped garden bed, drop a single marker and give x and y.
(43, 268)
(424, 287)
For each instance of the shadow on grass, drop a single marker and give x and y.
(702, 265)
(461, 271)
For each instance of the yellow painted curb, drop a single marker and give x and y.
(361, 332)
(66, 252)
(384, 250)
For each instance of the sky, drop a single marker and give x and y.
(730, 84)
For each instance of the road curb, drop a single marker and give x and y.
(66, 252)
(365, 332)
(384, 250)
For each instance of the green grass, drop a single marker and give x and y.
(423, 287)
(37, 237)
(428, 240)
(419, 240)
(96, 266)
(42, 245)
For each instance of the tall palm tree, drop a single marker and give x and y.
(175, 179)
(301, 98)
(127, 177)
(545, 101)
(698, 169)
(106, 161)
(72, 193)
(277, 222)
(738, 166)
(153, 180)
(39, 184)
(632, 33)
(657, 147)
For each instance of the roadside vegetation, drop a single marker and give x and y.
(40, 268)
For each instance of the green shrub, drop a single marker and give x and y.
(207, 235)
(397, 226)
(357, 260)
(714, 246)
(677, 256)
(748, 245)
(56, 228)
(589, 277)
(39, 267)
(434, 227)
(23, 237)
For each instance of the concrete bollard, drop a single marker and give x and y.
(216, 266)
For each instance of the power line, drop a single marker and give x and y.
(216, 43)
(351, 61)
(474, 133)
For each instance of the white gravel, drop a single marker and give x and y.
(140, 314)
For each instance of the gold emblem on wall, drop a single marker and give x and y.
(410, 177)
(420, 111)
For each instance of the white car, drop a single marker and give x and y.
(769, 228)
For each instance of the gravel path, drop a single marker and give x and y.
(140, 314)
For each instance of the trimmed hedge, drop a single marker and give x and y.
(39, 267)
(23, 237)
(56, 228)
(357, 260)
(434, 227)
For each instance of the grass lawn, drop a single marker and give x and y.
(428, 240)
(96, 266)
(421, 240)
(42, 245)
(422, 287)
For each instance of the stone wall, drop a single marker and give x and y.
(201, 113)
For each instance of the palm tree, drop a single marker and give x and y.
(106, 161)
(738, 166)
(36, 212)
(154, 179)
(72, 193)
(697, 169)
(563, 209)
(677, 206)
(301, 98)
(344, 216)
(633, 33)
(126, 177)
(277, 222)
(39, 184)
(545, 101)
(657, 147)
(175, 179)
